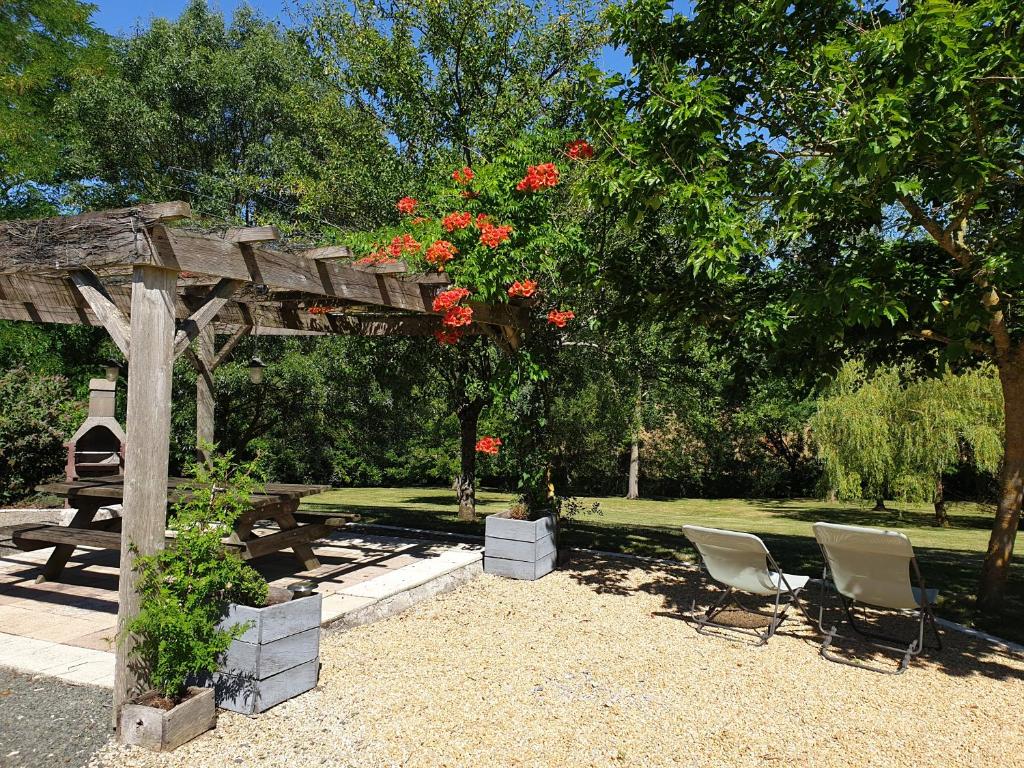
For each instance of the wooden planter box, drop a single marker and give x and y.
(276, 658)
(519, 549)
(162, 730)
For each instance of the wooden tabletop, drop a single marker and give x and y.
(111, 490)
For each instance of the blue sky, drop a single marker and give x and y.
(122, 16)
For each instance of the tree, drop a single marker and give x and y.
(863, 155)
(44, 46)
(494, 232)
(889, 431)
(457, 81)
(855, 434)
(237, 119)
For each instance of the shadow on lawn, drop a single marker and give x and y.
(953, 572)
(677, 586)
(890, 518)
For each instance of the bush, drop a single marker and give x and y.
(186, 589)
(37, 415)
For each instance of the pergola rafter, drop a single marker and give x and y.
(157, 289)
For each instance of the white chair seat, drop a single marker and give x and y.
(796, 583)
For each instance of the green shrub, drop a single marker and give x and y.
(186, 589)
(37, 415)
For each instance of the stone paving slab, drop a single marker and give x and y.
(66, 630)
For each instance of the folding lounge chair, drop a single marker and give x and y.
(743, 563)
(873, 567)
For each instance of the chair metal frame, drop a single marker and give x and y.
(778, 616)
(925, 615)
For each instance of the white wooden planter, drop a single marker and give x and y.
(276, 658)
(519, 549)
(162, 730)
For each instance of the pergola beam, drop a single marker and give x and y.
(198, 320)
(104, 308)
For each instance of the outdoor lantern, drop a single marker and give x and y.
(113, 369)
(256, 367)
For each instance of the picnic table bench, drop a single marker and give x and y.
(277, 502)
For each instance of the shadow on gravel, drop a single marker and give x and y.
(678, 586)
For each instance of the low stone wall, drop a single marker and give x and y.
(401, 601)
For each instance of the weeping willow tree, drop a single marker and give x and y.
(889, 433)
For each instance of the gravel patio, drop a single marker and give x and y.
(594, 667)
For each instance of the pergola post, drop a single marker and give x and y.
(205, 349)
(146, 455)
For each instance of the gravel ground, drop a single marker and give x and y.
(593, 667)
(44, 722)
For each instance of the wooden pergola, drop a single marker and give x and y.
(157, 288)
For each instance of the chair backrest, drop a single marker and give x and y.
(869, 565)
(738, 560)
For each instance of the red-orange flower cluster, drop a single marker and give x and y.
(538, 177)
(560, 318)
(448, 299)
(448, 337)
(579, 150)
(420, 220)
(457, 316)
(380, 256)
(440, 253)
(463, 175)
(493, 235)
(318, 309)
(524, 289)
(407, 205)
(488, 445)
(458, 220)
(403, 244)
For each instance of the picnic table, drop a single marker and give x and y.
(278, 502)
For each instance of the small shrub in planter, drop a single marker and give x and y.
(185, 591)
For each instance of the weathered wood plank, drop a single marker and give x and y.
(146, 454)
(252, 234)
(229, 346)
(103, 306)
(275, 542)
(214, 302)
(91, 240)
(188, 251)
(205, 403)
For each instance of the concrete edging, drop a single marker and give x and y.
(400, 601)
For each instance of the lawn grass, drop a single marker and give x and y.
(950, 557)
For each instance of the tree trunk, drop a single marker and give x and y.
(880, 506)
(996, 568)
(633, 490)
(465, 483)
(941, 518)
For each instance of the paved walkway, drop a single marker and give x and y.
(66, 630)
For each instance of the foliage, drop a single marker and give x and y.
(37, 415)
(185, 589)
(821, 166)
(890, 432)
(237, 119)
(456, 82)
(44, 46)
